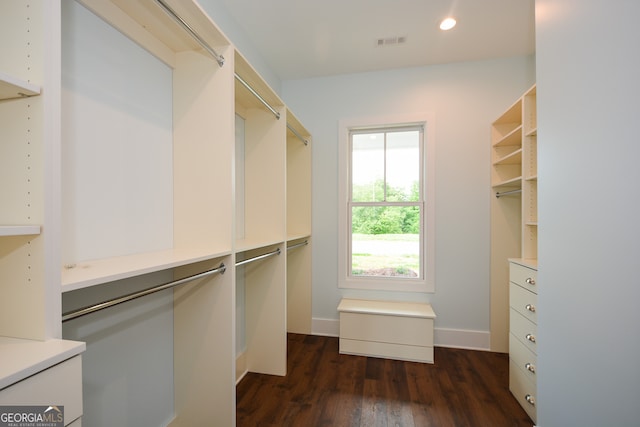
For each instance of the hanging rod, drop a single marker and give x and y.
(259, 257)
(295, 132)
(257, 95)
(172, 13)
(110, 303)
(507, 193)
(297, 245)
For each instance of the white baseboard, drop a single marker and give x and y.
(443, 337)
(462, 338)
(325, 327)
(241, 366)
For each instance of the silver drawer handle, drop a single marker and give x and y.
(531, 308)
(530, 399)
(530, 281)
(531, 368)
(531, 338)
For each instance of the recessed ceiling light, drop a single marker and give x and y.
(447, 24)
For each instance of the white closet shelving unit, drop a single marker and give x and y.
(264, 228)
(31, 350)
(514, 218)
(56, 191)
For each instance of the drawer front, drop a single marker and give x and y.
(523, 358)
(59, 385)
(523, 390)
(524, 330)
(523, 301)
(523, 276)
(387, 329)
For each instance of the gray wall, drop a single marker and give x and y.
(464, 98)
(589, 206)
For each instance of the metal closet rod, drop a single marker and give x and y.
(257, 95)
(507, 193)
(295, 132)
(172, 13)
(259, 257)
(115, 301)
(297, 245)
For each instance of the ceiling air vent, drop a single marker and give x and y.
(391, 41)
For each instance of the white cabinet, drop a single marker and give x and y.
(387, 329)
(42, 373)
(523, 337)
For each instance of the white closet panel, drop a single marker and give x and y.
(117, 142)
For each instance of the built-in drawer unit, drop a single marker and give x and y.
(523, 336)
(59, 385)
(388, 329)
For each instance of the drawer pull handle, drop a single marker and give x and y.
(530, 399)
(531, 368)
(531, 308)
(530, 281)
(531, 338)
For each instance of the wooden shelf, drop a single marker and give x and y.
(513, 158)
(12, 87)
(245, 245)
(512, 138)
(532, 132)
(508, 184)
(97, 272)
(19, 230)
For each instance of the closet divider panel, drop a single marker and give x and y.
(203, 184)
(266, 311)
(299, 292)
(29, 298)
(299, 310)
(204, 347)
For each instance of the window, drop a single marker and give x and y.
(386, 209)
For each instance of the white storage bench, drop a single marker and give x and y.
(387, 329)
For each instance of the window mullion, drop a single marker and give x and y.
(384, 179)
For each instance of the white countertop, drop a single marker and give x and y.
(20, 358)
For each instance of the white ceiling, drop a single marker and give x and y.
(310, 38)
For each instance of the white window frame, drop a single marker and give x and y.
(426, 283)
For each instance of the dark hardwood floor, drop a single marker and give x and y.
(324, 388)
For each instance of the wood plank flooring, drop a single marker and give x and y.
(324, 388)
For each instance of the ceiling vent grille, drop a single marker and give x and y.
(391, 41)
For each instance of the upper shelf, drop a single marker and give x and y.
(149, 25)
(12, 87)
(244, 97)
